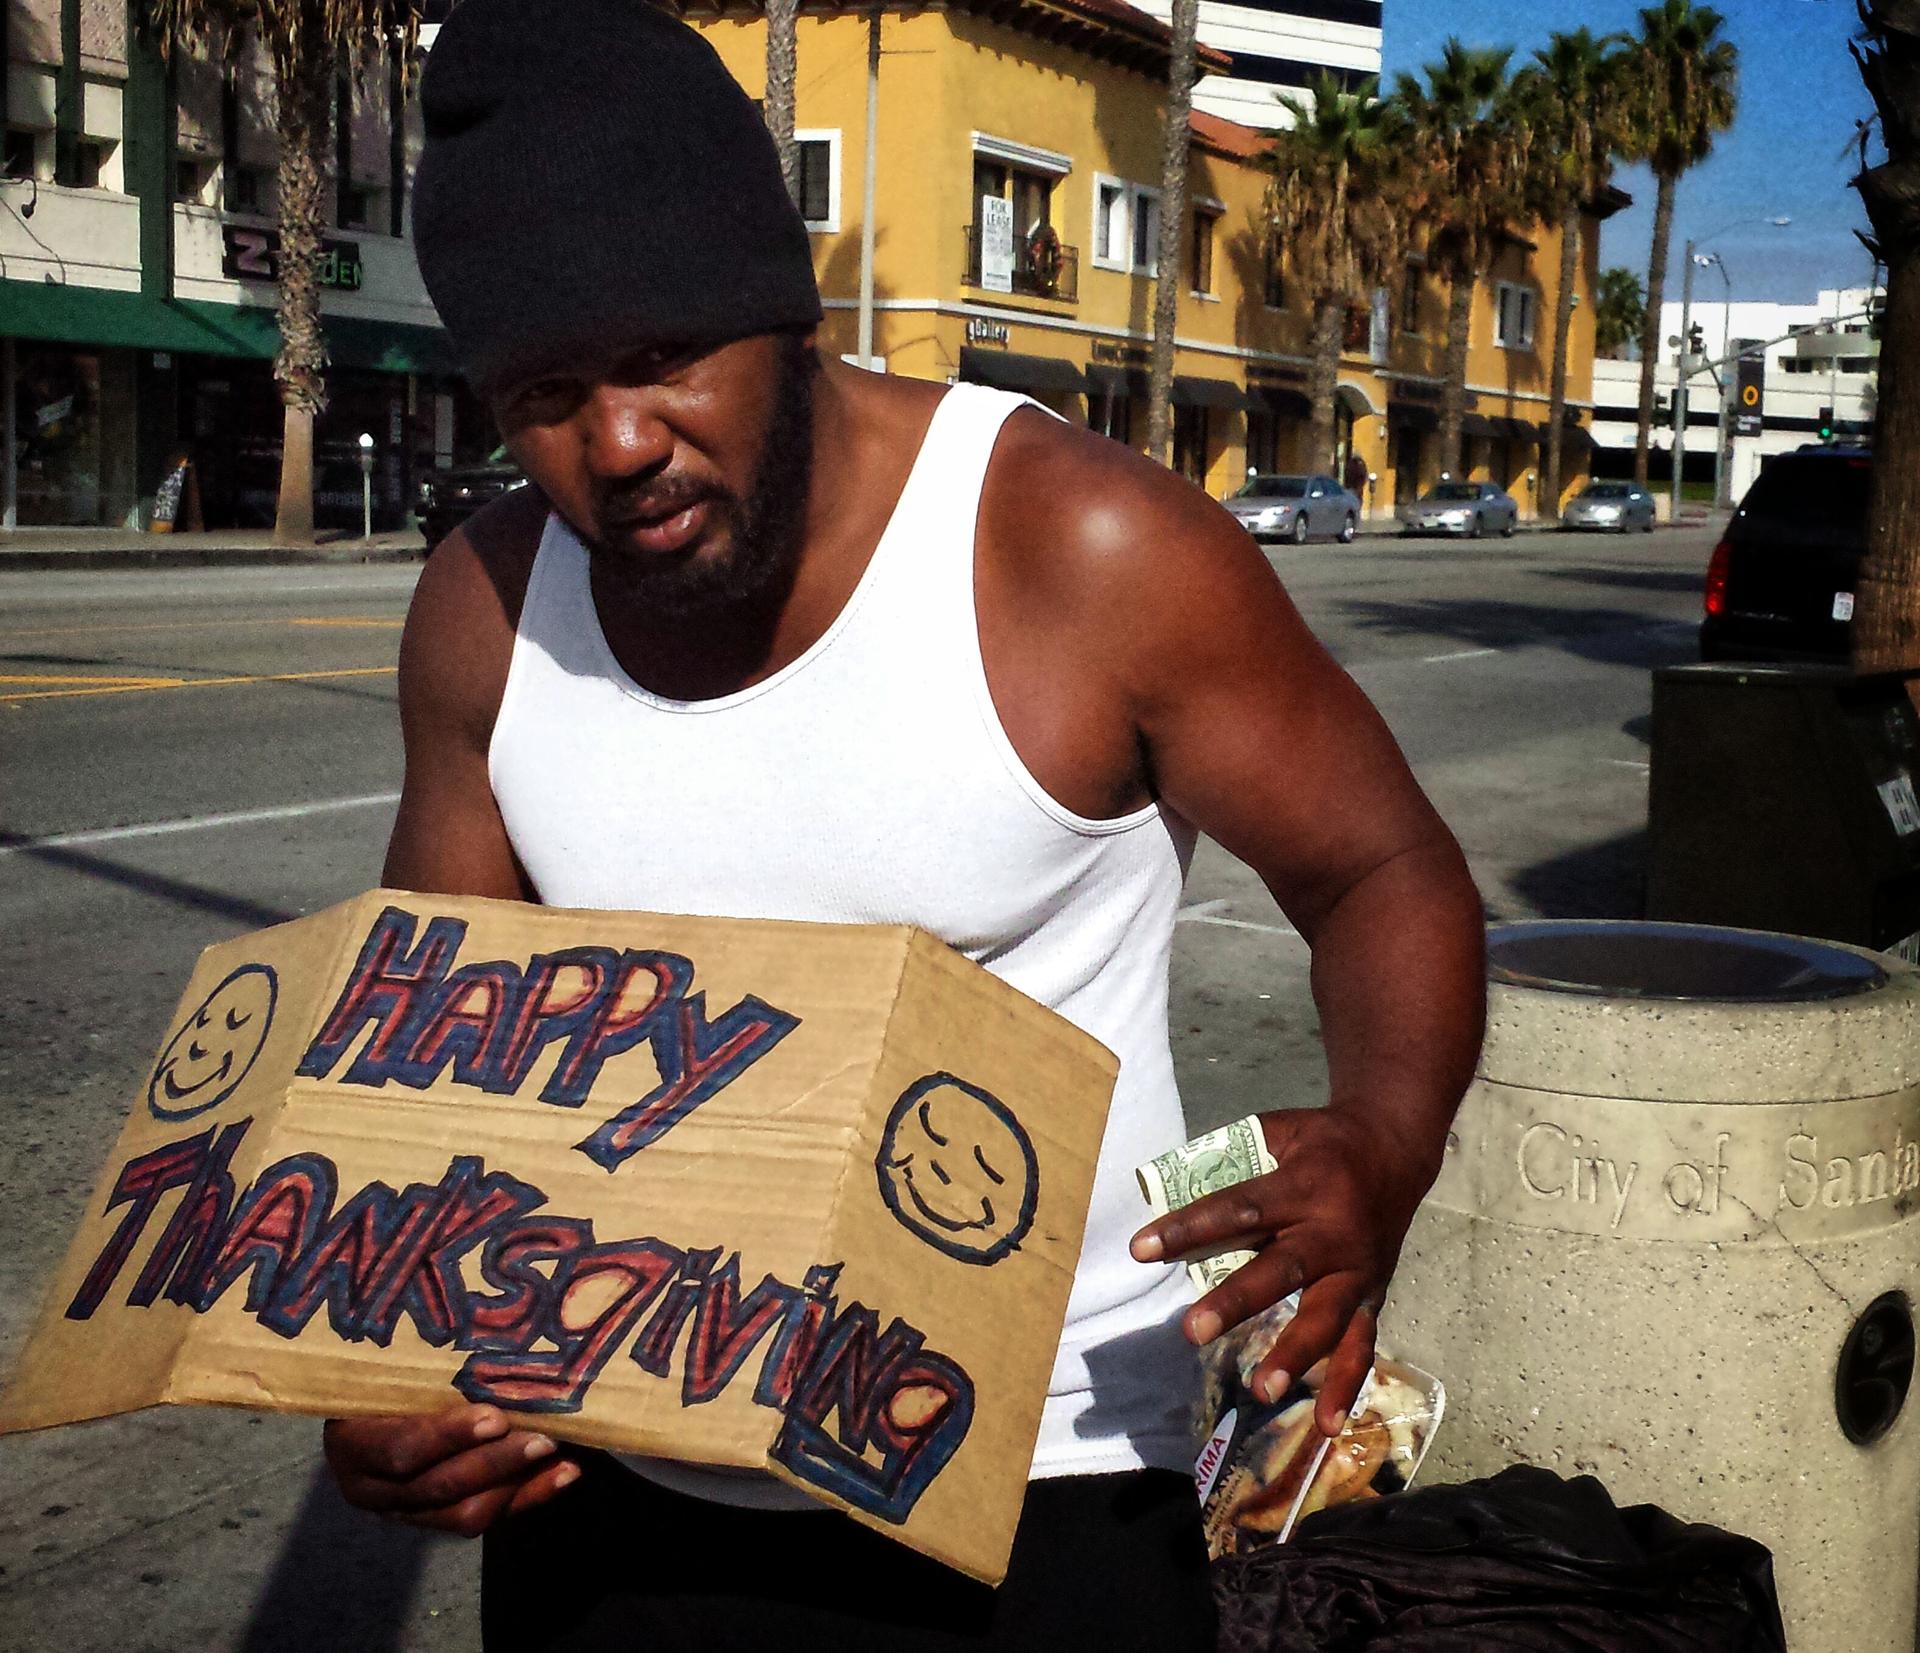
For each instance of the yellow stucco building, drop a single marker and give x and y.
(1015, 229)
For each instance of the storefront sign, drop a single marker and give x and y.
(982, 331)
(1275, 373)
(1750, 393)
(254, 255)
(996, 244)
(1116, 354)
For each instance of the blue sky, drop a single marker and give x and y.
(1800, 97)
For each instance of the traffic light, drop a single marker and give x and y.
(1826, 424)
(1697, 339)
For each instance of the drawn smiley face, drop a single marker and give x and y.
(957, 1169)
(206, 1060)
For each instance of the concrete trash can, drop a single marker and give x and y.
(1676, 1242)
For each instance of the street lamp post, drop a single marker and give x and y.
(366, 485)
(1684, 369)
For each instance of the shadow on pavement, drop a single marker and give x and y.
(255, 915)
(343, 1581)
(1603, 880)
(1607, 636)
(1637, 579)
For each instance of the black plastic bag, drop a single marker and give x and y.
(1522, 1560)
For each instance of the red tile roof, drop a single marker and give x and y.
(1228, 138)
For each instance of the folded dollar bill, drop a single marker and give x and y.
(1234, 1153)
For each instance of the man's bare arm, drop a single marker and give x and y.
(1249, 730)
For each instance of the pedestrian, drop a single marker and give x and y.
(1357, 476)
(772, 637)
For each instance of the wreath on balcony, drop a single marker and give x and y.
(1044, 257)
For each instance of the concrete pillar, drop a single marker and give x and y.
(1660, 1219)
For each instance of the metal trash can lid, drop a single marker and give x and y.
(1635, 959)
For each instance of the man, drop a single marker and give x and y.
(772, 637)
(1356, 477)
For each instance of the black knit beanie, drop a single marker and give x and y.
(591, 174)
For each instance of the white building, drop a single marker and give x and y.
(1279, 46)
(1822, 364)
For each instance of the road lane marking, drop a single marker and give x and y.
(199, 823)
(1630, 763)
(164, 685)
(1208, 912)
(373, 625)
(1457, 654)
(89, 677)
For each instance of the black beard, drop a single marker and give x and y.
(766, 528)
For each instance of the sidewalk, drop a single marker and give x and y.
(86, 548)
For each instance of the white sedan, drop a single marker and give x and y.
(1470, 509)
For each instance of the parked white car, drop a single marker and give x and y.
(1470, 509)
(1295, 508)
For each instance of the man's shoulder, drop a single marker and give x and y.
(1070, 514)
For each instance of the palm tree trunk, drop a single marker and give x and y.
(1557, 382)
(1650, 327)
(305, 84)
(1168, 274)
(1453, 394)
(782, 58)
(1323, 381)
(1886, 624)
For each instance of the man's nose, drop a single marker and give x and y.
(622, 433)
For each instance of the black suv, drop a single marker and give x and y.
(447, 497)
(1780, 586)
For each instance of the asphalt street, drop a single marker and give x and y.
(190, 754)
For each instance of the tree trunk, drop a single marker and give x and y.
(1550, 486)
(1168, 274)
(1886, 622)
(1323, 381)
(1650, 346)
(305, 84)
(782, 58)
(1453, 394)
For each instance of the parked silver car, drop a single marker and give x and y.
(1469, 508)
(1610, 507)
(1295, 508)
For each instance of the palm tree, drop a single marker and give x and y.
(1886, 627)
(1178, 136)
(782, 59)
(1682, 74)
(306, 41)
(1337, 203)
(1467, 131)
(1619, 311)
(1571, 94)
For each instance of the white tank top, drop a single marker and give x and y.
(870, 782)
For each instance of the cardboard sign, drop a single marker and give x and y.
(799, 1198)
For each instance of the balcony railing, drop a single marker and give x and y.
(1031, 274)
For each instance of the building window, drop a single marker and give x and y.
(253, 189)
(22, 158)
(1110, 237)
(1276, 277)
(362, 208)
(1190, 444)
(1205, 220)
(819, 158)
(1410, 298)
(1514, 316)
(194, 177)
(1144, 210)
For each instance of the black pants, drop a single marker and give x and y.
(1114, 1562)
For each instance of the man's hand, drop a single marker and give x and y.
(1327, 1222)
(455, 1471)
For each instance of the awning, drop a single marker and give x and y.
(1207, 393)
(1413, 416)
(64, 313)
(1355, 400)
(1517, 430)
(1478, 424)
(1118, 382)
(1279, 399)
(1575, 438)
(1008, 370)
